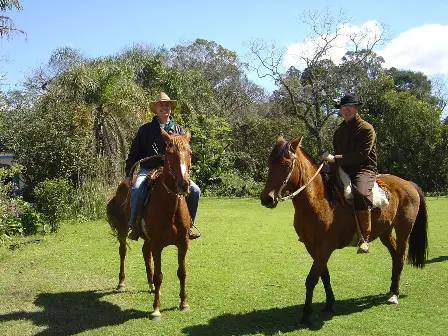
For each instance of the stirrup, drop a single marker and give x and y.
(193, 235)
(134, 234)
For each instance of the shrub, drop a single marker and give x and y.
(231, 183)
(88, 200)
(17, 217)
(52, 200)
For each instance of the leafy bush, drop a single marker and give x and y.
(52, 200)
(17, 217)
(232, 183)
(88, 200)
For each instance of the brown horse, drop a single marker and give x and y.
(166, 220)
(324, 226)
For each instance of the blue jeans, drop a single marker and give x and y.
(139, 192)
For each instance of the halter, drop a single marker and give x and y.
(290, 196)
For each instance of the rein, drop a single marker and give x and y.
(131, 172)
(295, 193)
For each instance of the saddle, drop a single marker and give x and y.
(338, 187)
(152, 177)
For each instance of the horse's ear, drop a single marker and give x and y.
(187, 136)
(165, 135)
(280, 138)
(296, 143)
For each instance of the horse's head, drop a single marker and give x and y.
(177, 162)
(280, 165)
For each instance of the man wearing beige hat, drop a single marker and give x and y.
(149, 142)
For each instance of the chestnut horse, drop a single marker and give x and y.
(324, 226)
(165, 218)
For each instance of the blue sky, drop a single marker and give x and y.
(419, 29)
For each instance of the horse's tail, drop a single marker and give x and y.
(116, 213)
(418, 240)
(112, 215)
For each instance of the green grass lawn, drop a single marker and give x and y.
(245, 276)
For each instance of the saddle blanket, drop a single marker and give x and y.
(379, 195)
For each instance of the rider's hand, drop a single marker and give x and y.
(127, 181)
(327, 157)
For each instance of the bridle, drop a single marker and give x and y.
(170, 171)
(169, 191)
(295, 193)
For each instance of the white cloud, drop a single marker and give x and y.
(297, 53)
(422, 49)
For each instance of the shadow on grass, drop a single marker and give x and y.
(275, 320)
(437, 259)
(71, 313)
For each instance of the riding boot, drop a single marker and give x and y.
(192, 204)
(135, 228)
(193, 235)
(364, 220)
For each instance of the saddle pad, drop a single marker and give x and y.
(379, 195)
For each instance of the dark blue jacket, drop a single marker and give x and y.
(149, 142)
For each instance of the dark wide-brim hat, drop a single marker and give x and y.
(162, 97)
(348, 100)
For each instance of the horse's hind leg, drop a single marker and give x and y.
(397, 252)
(182, 274)
(328, 291)
(146, 251)
(121, 276)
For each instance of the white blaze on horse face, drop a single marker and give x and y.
(183, 165)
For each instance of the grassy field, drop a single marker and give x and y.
(246, 276)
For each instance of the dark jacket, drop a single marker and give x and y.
(149, 142)
(354, 144)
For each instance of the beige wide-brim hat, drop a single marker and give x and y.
(162, 97)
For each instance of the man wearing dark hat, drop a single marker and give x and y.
(354, 144)
(149, 142)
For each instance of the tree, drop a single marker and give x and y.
(7, 27)
(96, 106)
(223, 70)
(416, 83)
(310, 94)
(47, 140)
(409, 133)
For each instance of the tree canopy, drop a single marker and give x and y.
(76, 114)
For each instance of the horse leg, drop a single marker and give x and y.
(318, 269)
(397, 254)
(158, 276)
(325, 276)
(182, 274)
(146, 251)
(311, 281)
(121, 276)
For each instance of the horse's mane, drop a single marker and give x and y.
(308, 156)
(280, 152)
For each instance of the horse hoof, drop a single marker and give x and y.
(121, 288)
(184, 307)
(393, 299)
(155, 316)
